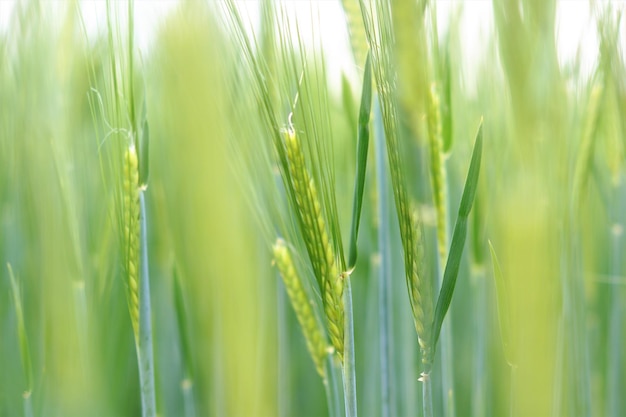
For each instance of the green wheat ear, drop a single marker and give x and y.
(131, 233)
(438, 171)
(358, 39)
(311, 328)
(317, 242)
(420, 291)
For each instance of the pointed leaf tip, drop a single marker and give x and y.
(458, 239)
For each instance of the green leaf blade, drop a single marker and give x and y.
(362, 150)
(458, 238)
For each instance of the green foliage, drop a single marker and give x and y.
(246, 132)
(458, 237)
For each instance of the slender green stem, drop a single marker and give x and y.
(349, 375)
(189, 405)
(427, 395)
(480, 319)
(615, 345)
(446, 343)
(581, 337)
(574, 311)
(446, 354)
(384, 282)
(144, 346)
(28, 404)
(283, 353)
(331, 386)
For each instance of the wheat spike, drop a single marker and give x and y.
(356, 29)
(438, 172)
(313, 333)
(131, 232)
(411, 54)
(420, 290)
(317, 241)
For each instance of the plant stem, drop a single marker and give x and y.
(189, 406)
(427, 394)
(144, 345)
(283, 353)
(28, 404)
(384, 281)
(349, 376)
(446, 351)
(614, 348)
(574, 313)
(331, 387)
(446, 369)
(480, 320)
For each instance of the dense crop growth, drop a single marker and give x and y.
(228, 223)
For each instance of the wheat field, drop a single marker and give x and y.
(312, 208)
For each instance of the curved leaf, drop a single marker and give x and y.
(361, 161)
(458, 238)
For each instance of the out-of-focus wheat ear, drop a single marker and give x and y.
(438, 173)
(317, 242)
(446, 103)
(22, 336)
(311, 328)
(411, 56)
(420, 291)
(131, 233)
(356, 29)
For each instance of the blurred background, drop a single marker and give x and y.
(549, 79)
